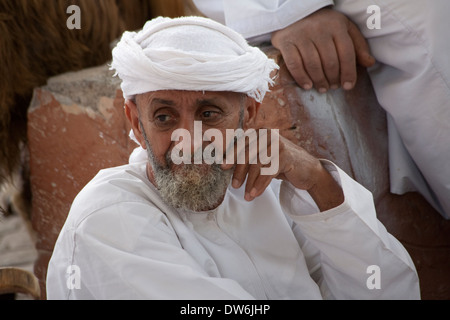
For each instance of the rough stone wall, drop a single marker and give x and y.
(76, 127)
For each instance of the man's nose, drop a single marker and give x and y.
(189, 136)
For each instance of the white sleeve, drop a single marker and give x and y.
(349, 252)
(253, 18)
(148, 263)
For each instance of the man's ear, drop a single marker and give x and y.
(132, 114)
(250, 112)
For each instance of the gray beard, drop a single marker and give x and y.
(193, 187)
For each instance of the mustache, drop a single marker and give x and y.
(192, 187)
(196, 158)
(195, 187)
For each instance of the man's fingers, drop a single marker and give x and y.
(347, 60)
(330, 62)
(313, 66)
(240, 172)
(253, 173)
(260, 185)
(322, 50)
(294, 63)
(251, 155)
(362, 49)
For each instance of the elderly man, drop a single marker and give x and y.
(156, 229)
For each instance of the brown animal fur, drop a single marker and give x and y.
(36, 44)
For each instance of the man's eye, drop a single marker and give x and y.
(210, 115)
(162, 118)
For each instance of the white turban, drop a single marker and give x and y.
(190, 53)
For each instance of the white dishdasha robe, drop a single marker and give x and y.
(124, 242)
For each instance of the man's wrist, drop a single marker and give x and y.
(326, 191)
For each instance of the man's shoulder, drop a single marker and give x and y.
(122, 181)
(114, 187)
(115, 212)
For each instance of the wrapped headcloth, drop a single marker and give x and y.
(190, 53)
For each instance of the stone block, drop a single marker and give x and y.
(76, 126)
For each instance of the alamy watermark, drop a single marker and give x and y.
(73, 275)
(74, 20)
(236, 151)
(374, 280)
(374, 21)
